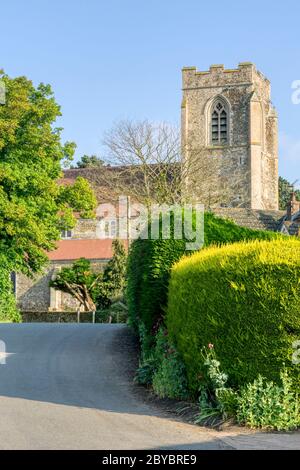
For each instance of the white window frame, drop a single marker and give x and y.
(66, 234)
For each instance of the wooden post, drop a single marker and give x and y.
(94, 316)
(78, 316)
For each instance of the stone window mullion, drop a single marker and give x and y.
(219, 124)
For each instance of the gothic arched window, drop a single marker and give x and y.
(219, 123)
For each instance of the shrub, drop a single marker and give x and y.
(169, 381)
(244, 298)
(150, 355)
(161, 366)
(145, 372)
(8, 308)
(260, 404)
(268, 405)
(113, 280)
(216, 401)
(150, 262)
(116, 313)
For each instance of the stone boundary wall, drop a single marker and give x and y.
(55, 317)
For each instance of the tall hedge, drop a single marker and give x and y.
(150, 262)
(245, 299)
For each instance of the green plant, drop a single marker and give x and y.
(151, 350)
(113, 279)
(146, 370)
(169, 376)
(116, 313)
(8, 308)
(147, 361)
(34, 207)
(90, 161)
(147, 343)
(161, 366)
(216, 400)
(268, 405)
(92, 288)
(285, 189)
(245, 299)
(216, 378)
(209, 412)
(150, 263)
(80, 281)
(169, 380)
(261, 404)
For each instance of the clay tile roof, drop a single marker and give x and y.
(66, 181)
(70, 250)
(253, 218)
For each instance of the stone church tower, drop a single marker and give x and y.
(229, 138)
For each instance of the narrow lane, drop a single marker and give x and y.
(68, 386)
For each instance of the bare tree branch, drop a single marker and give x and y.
(147, 162)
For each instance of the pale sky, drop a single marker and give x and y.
(113, 59)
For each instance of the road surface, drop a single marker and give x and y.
(69, 386)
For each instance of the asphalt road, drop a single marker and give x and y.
(69, 386)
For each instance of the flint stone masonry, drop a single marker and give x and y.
(247, 165)
(85, 229)
(35, 295)
(56, 317)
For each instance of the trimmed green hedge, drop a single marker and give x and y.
(243, 298)
(150, 262)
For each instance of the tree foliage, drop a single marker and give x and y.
(113, 281)
(90, 161)
(285, 189)
(80, 282)
(33, 206)
(93, 288)
(8, 309)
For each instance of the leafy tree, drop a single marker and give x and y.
(80, 281)
(113, 281)
(90, 161)
(285, 189)
(34, 208)
(90, 287)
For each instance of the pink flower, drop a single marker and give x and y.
(210, 346)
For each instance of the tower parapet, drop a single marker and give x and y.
(230, 137)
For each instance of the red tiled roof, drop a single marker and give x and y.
(66, 181)
(70, 250)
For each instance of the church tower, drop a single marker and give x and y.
(229, 138)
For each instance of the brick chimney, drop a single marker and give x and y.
(293, 206)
